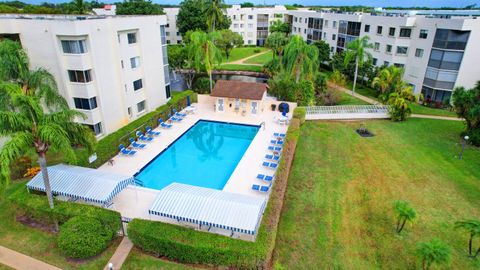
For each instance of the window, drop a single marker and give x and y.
(135, 62)
(163, 36)
(168, 41)
(121, 62)
(374, 61)
(167, 91)
(386, 63)
(324, 35)
(85, 103)
(367, 28)
(167, 34)
(129, 111)
(423, 33)
(241, 25)
(141, 106)
(388, 49)
(250, 17)
(419, 53)
(138, 84)
(399, 65)
(132, 38)
(391, 31)
(334, 24)
(74, 46)
(250, 25)
(178, 34)
(376, 46)
(405, 32)
(97, 128)
(334, 37)
(295, 19)
(379, 30)
(326, 23)
(235, 25)
(79, 76)
(402, 50)
(445, 59)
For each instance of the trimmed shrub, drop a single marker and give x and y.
(300, 113)
(83, 237)
(37, 208)
(189, 246)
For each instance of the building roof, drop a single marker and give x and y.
(209, 207)
(87, 184)
(239, 89)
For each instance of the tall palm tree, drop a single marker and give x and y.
(28, 124)
(214, 13)
(404, 213)
(204, 53)
(433, 252)
(300, 60)
(472, 227)
(388, 79)
(356, 50)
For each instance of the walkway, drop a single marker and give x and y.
(242, 61)
(20, 261)
(120, 254)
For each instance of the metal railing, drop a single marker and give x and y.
(347, 112)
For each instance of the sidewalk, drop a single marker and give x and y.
(120, 254)
(242, 61)
(20, 261)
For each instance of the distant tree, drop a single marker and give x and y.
(472, 227)
(433, 252)
(228, 40)
(404, 213)
(300, 60)
(192, 16)
(176, 56)
(8, 9)
(356, 50)
(138, 7)
(323, 51)
(467, 105)
(279, 26)
(247, 4)
(276, 41)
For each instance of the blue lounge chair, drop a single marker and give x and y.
(125, 151)
(275, 148)
(264, 188)
(173, 118)
(151, 132)
(143, 137)
(272, 157)
(279, 135)
(271, 165)
(276, 142)
(264, 177)
(163, 124)
(256, 187)
(179, 114)
(134, 144)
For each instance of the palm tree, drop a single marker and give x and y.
(356, 50)
(300, 59)
(28, 124)
(214, 13)
(399, 102)
(276, 41)
(473, 228)
(388, 80)
(203, 51)
(433, 252)
(404, 213)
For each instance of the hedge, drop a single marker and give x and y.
(300, 113)
(190, 246)
(36, 207)
(107, 147)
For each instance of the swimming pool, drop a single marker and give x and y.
(205, 156)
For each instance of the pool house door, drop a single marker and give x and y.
(254, 105)
(220, 105)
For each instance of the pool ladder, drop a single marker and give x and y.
(263, 124)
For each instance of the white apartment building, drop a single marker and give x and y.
(253, 23)
(438, 51)
(171, 30)
(113, 69)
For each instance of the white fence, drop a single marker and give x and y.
(347, 112)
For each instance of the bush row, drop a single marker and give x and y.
(190, 246)
(107, 147)
(37, 208)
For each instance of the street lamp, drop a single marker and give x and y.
(110, 266)
(464, 142)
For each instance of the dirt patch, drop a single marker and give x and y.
(30, 222)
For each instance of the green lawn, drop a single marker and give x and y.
(242, 52)
(261, 59)
(337, 213)
(4, 267)
(351, 100)
(419, 109)
(39, 244)
(240, 67)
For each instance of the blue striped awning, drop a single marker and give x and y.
(209, 207)
(87, 184)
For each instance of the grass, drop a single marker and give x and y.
(41, 245)
(235, 67)
(337, 213)
(138, 260)
(419, 109)
(242, 52)
(351, 100)
(261, 59)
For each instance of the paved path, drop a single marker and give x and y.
(20, 261)
(373, 101)
(242, 61)
(120, 254)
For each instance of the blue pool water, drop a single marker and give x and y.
(205, 156)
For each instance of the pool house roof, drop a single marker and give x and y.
(239, 89)
(204, 206)
(90, 185)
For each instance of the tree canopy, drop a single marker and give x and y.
(138, 7)
(228, 40)
(247, 4)
(467, 105)
(193, 16)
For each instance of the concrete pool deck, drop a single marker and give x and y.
(134, 202)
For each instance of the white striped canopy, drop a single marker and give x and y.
(209, 207)
(87, 184)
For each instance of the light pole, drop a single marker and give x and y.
(464, 142)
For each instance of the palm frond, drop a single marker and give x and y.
(16, 146)
(12, 122)
(54, 135)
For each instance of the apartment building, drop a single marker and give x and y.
(173, 35)
(438, 51)
(253, 23)
(112, 69)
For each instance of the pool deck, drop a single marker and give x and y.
(134, 202)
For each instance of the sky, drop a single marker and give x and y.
(374, 3)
